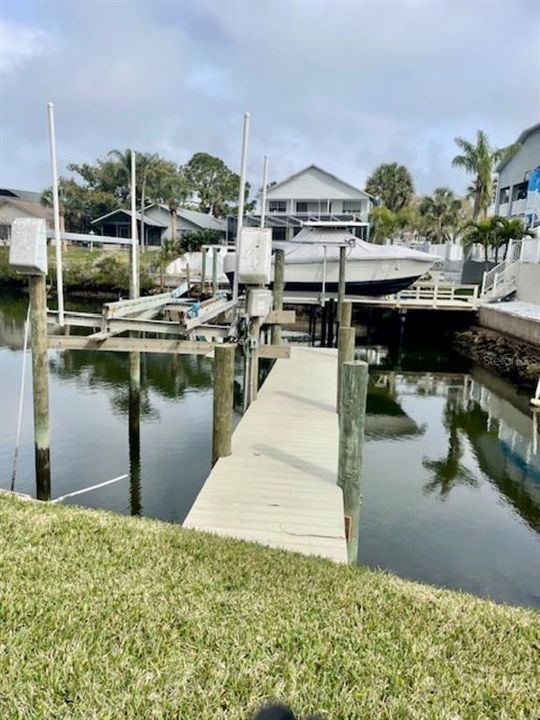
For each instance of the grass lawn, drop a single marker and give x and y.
(103, 616)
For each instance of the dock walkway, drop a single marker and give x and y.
(279, 485)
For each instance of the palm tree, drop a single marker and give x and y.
(440, 212)
(509, 229)
(392, 184)
(383, 223)
(484, 232)
(481, 159)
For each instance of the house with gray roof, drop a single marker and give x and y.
(158, 223)
(17, 204)
(518, 186)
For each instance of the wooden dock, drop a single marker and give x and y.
(279, 486)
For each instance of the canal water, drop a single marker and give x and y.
(451, 477)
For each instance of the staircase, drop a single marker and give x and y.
(500, 282)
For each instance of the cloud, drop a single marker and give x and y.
(346, 84)
(20, 44)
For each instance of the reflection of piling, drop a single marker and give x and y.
(354, 381)
(346, 341)
(40, 379)
(279, 283)
(223, 401)
(134, 419)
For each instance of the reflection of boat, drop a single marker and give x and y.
(312, 263)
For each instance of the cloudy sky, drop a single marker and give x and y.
(346, 84)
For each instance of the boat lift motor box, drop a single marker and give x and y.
(28, 249)
(259, 302)
(255, 255)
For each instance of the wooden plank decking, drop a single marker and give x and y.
(279, 485)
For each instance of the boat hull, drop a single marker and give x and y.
(373, 288)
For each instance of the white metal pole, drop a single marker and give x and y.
(265, 183)
(241, 194)
(134, 258)
(56, 215)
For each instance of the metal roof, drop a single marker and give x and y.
(147, 220)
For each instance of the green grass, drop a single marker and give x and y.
(88, 271)
(110, 617)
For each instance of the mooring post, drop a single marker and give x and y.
(255, 332)
(40, 379)
(279, 284)
(223, 401)
(345, 316)
(215, 286)
(346, 342)
(203, 269)
(341, 285)
(354, 382)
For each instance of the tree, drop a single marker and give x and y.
(484, 232)
(80, 205)
(383, 223)
(193, 241)
(508, 229)
(214, 184)
(440, 213)
(392, 184)
(480, 159)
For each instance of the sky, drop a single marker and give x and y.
(345, 84)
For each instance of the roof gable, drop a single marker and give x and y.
(314, 183)
(524, 136)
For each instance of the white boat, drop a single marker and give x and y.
(312, 263)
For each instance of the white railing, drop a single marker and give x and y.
(500, 281)
(440, 293)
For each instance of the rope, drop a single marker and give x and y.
(21, 399)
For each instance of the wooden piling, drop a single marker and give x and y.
(354, 382)
(346, 343)
(215, 284)
(341, 284)
(40, 380)
(279, 284)
(254, 359)
(223, 401)
(345, 316)
(203, 270)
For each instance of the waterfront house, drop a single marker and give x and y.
(313, 194)
(158, 223)
(20, 204)
(518, 186)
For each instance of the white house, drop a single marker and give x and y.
(313, 194)
(518, 186)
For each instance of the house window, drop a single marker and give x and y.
(301, 207)
(277, 206)
(5, 234)
(504, 195)
(519, 191)
(352, 206)
(279, 233)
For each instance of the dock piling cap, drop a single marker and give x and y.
(28, 249)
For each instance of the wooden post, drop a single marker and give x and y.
(223, 401)
(354, 382)
(215, 284)
(203, 270)
(254, 359)
(345, 316)
(346, 343)
(40, 379)
(341, 285)
(279, 284)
